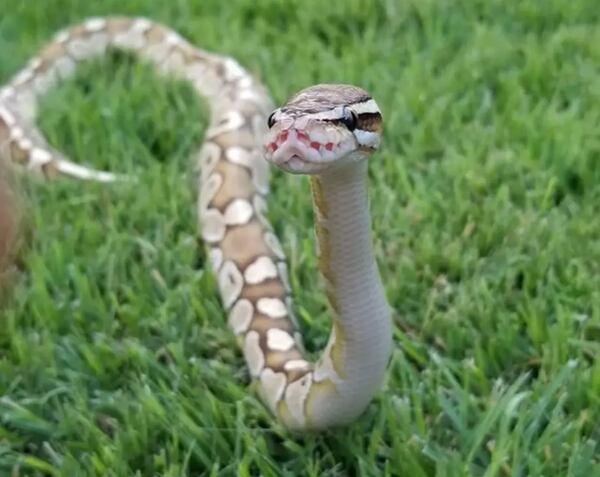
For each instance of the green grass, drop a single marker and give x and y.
(115, 359)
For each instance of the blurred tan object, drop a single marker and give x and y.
(9, 225)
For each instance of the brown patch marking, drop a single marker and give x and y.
(17, 154)
(244, 244)
(78, 32)
(117, 25)
(50, 170)
(262, 324)
(237, 184)
(296, 374)
(277, 359)
(272, 288)
(50, 54)
(156, 34)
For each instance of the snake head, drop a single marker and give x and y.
(323, 127)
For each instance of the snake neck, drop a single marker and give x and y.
(360, 342)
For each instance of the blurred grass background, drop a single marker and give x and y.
(115, 359)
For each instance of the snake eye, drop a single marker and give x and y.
(271, 120)
(350, 120)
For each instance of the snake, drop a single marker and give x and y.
(328, 132)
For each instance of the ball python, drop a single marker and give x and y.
(327, 132)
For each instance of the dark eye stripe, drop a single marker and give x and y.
(365, 121)
(369, 122)
(367, 116)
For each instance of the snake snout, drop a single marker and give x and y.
(294, 151)
(306, 150)
(297, 137)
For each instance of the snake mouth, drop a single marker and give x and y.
(295, 158)
(298, 164)
(296, 152)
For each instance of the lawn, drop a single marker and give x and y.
(115, 358)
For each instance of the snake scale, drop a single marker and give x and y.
(326, 131)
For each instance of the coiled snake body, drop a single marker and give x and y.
(327, 131)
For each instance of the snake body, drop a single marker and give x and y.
(310, 134)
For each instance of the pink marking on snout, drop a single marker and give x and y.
(272, 147)
(329, 146)
(302, 136)
(283, 136)
(315, 145)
